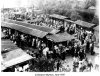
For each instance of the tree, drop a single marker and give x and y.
(75, 16)
(69, 8)
(89, 3)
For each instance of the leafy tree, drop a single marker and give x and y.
(89, 3)
(69, 8)
(75, 16)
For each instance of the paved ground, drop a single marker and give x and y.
(69, 60)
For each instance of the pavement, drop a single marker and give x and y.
(69, 61)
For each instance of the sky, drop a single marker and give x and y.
(23, 3)
(18, 3)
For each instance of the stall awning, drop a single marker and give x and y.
(15, 57)
(58, 16)
(8, 44)
(67, 20)
(61, 37)
(84, 24)
(41, 28)
(96, 28)
(2, 35)
(2, 67)
(24, 29)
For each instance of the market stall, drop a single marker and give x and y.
(15, 57)
(83, 24)
(41, 28)
(60, 37)
(27, 30)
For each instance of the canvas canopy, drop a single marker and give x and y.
(67, 20)
(61, 37)
(2, 35)
(96, 28)
(57, 16)
(2, 67)
(15, 57)
(24, 29)
(84, 24)
(41, 28)
(8, 44)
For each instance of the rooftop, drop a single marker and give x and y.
(58, 16)
(84, 24)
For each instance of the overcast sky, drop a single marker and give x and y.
(18, 3)
(23, 3)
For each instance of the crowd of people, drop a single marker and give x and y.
(77, 48)
(24, 41)
(39, 20)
